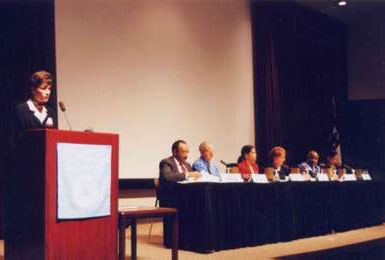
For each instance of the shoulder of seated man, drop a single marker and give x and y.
(166, 161)
(198, 161)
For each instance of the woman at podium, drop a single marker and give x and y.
(35, 112)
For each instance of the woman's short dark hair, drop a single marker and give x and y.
(175, 145)
(246, 149)
(39, 77)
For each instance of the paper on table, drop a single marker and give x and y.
(84, 180)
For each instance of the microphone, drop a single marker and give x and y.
(64, 109)
(348, 168)
(223, 162)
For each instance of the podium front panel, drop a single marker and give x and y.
(38, 232)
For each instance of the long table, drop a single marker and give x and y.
(217, 216)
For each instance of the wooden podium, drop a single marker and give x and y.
(34, 230)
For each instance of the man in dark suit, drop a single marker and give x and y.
(176, 168)
(171, 170)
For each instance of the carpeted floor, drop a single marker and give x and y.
(322, 247)
(366, 243)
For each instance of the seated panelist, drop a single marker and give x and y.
(333, 164)
(206, 163)
(333, 160)
(247, 162)
(176, 168)
(278, 158)
(311, 166)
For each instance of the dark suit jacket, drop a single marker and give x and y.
(24, 120)
(284, 172)
(168, 171)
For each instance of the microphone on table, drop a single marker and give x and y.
(228, 165)
(63, 109)
(223, 162)
(348, 168)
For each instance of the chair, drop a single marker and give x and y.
(358, 173)
(341, 173)
(269, 172)
(232, 168)
(156, 185)
(129, 217)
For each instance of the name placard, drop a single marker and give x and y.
(322, 177)
(349, 177)
(231, 177)
(259, 178)
(296, 177)
(366, 177)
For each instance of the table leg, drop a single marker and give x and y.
(133, 239)
(122, 239)
(175, 237)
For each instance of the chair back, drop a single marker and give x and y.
(341, 172)
(358, 173)
(269, 172)
(233, 169)
(156, 185)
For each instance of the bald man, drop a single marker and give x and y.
(205, 163)
(311, 165)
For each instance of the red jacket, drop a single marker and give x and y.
(245, 169)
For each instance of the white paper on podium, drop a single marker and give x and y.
(84, 180)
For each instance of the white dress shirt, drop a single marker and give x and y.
(178, 164)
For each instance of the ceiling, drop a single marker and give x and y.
(356, 11)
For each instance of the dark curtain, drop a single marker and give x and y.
(27, 44)
(299, 65)
(364, 128)
(266, 84)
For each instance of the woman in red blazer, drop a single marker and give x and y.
(247, 162)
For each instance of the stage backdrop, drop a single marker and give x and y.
(366, 55)
(157, 71)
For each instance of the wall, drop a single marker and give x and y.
(157, 71)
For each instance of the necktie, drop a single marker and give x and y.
(183, 168)
(208, 167)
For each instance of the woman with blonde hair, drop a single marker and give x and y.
(277, 157)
